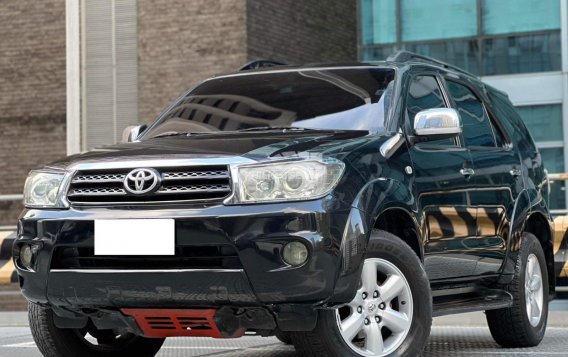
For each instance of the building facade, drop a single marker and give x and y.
(519, 46)
(74, 73)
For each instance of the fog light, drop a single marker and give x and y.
(26, 256)
(295, 253)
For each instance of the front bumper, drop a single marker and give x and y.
(255, 232)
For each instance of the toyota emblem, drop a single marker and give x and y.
(140, 181)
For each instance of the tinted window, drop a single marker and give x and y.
(477, 130)
(424, 93)
(350, 99)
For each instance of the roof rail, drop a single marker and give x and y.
(256, 64)
(404, 56)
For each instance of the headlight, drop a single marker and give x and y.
(285, 181)
(42, 189)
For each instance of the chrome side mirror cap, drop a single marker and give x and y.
(131, 133)
(438, 123)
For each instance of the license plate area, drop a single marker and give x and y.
(143, 237)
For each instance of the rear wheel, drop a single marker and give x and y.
(524, 323)
(391, 313)
(86, 342)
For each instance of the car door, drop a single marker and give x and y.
(440, 184)
(497, 176)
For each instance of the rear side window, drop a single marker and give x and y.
(507, 114)
(424, 93)
(477, 130)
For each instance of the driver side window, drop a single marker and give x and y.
(425, 93)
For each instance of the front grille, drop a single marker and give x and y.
(177, 184)
(186, 257)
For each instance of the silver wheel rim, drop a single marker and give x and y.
(534, 297)
(378, 319)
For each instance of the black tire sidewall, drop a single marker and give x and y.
(54, 341)
(510, 327)
(532, 245)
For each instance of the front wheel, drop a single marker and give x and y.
(391, 313)
(87, 342)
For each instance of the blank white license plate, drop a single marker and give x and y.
(135, 237)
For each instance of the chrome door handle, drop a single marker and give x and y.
(515, 172)
(467, 172)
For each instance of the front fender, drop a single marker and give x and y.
(374, 198)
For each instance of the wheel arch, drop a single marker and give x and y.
(401, 223)
(537, 224)
(375, 206)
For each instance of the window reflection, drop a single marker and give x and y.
(477, 129)
(312, 98)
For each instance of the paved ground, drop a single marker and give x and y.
(463, 335)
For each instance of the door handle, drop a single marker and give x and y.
(467, 172)
(515, 172)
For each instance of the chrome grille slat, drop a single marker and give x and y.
(98, 178)
(194, 188)
(178, 184)
(103, 191)
(195, 175)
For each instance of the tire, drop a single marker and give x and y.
(385, 253)
(284, 337)
(56, 342)
(511, 327)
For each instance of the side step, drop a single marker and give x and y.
(487, 299)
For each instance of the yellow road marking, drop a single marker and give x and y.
(564, 271)
(3, 235)
(560, 226)
(6, 272)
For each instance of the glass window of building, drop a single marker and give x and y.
(510, 16)
(522, 54)
(485, 37)
(429, 20)
(545, 125)
(543, 121)
(378, 20)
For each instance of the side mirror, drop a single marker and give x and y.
(131, 133)
(439, 123)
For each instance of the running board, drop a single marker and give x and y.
(484, 300)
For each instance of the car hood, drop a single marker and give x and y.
(256, 146)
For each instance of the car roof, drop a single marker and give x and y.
(400, 60)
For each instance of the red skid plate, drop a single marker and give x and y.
(175, 322)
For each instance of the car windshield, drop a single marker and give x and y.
(330, 99)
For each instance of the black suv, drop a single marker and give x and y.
(338, 207)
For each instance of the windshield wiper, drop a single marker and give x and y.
(267, 128)
(256, 128)
(182, 133)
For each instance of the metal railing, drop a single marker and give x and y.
(551, 179)
(11, 197)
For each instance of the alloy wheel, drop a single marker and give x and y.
(534, 297)
(377, 320)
